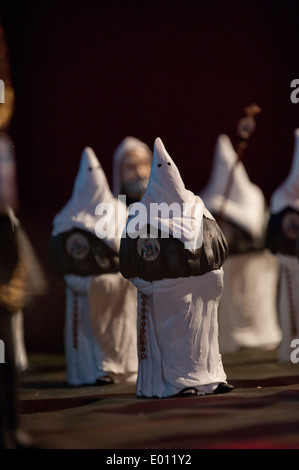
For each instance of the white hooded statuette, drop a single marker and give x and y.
(245, 203)
(100, 325)
(83, 210)
(177, 318)
(247, 310)
(287, 194)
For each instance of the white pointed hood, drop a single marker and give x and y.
(287, 194)
(126, 145)
(165, 183)
(166, 186)
(245, 205)
(91, 189)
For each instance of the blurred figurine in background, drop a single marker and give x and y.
(248, 309)
(177, 271)
(132, 163)
(282, 239)
(100, 323)
(21, 278)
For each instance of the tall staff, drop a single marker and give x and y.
(245, 129)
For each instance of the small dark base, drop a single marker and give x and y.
(192, 392)
(188, 392)
(106, 380)
(223, 388)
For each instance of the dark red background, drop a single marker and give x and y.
(92, 72)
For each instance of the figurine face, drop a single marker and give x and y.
(135, 172)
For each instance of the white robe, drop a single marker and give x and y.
(113, 316)
(180, 335)
(288, 304)
(100, 329)
(248, 314)
(81, 350)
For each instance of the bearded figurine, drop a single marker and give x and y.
(174, 257)
(132, 162)
(100, 334)
(282, 240)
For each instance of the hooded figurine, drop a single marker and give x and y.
(100, 336)
(173, 250)
(247, 311)
(282, 240)
(244, 208)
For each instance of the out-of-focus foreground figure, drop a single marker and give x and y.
(21, 276)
